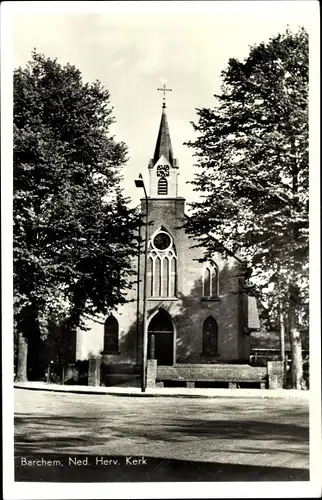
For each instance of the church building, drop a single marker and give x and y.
(198, 311)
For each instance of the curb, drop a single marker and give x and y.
(86, 391)
(265, 393)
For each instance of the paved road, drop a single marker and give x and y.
(206, 439)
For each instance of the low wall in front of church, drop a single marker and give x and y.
(226, 373)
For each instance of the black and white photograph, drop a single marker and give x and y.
(161, 254)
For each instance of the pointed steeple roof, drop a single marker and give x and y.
(163, 145)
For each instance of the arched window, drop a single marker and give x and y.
(162, 265)
(206, 282)
(165, 278)
(210, 282)
(150, 277)
(173, 277)
(210, 337)
(111, 335)
(157, 277)
(163, 186)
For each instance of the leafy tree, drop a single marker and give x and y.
(73, 232)
(252, 154)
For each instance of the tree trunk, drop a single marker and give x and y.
(282, 344)
(295, 338)
(282, 336)
(296, 345)
(22, 353)
(297, 363)
(28, 343)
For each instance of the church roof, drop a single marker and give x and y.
(163, 145)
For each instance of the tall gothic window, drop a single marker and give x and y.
(163, 186)
(162, 266)
(210, 282)
(111, 335)
(210, 336)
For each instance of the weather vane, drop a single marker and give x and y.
(164, 90)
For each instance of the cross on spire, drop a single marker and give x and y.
(164, 90)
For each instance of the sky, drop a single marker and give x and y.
(131, 47)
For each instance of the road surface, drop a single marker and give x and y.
(179, 438)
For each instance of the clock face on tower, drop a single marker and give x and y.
(163, 170)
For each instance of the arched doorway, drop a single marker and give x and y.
(160, 339)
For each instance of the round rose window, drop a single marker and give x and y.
(162, 241)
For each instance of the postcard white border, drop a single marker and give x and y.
(17, 491)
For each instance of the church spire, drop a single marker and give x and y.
(163, 145)
(163, 167)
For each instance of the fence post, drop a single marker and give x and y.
(152, 372)
(275, 374)
(94, 371)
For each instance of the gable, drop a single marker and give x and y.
(162, 161)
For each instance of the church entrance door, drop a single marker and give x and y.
(160, 335)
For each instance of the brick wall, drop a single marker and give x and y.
(188, 311)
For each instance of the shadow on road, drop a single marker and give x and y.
(247, 429)
(41, 436)
(35, 434)
(155, 469)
